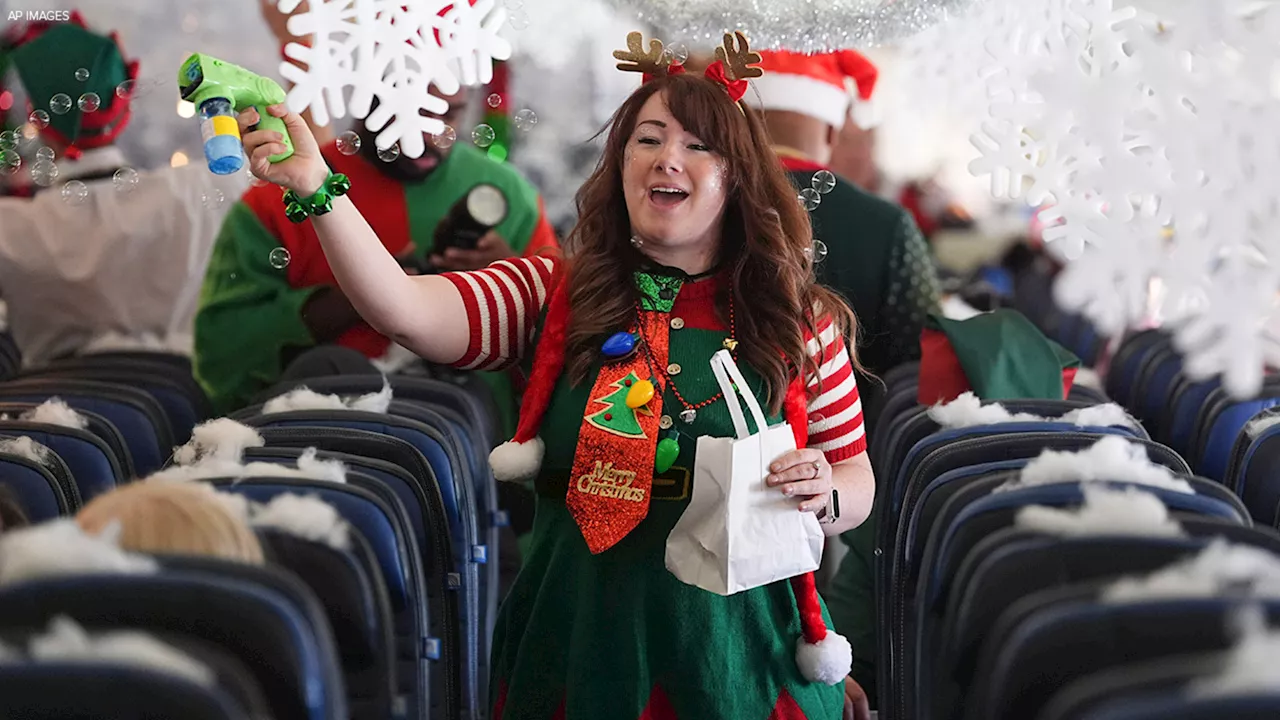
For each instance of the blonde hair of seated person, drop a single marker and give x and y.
(179, 518)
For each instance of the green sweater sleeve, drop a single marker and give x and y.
(912, 294)
(248, 313)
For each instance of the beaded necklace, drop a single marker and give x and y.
(657, 292)
(690, 412)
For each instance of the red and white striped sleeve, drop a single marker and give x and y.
(504, 302)
(835, 416)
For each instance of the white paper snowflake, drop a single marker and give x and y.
(469, 35)
(405, 55)
(1146, 131)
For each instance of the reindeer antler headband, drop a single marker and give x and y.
(733, 66)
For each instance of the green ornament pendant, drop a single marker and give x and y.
(668, 451)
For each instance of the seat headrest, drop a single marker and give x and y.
(340, 581)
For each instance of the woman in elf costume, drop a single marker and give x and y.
(690, 240)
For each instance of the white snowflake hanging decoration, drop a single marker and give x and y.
(469, 35)
(1146, 131)
(408, 55)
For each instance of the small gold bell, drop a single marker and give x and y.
(730, 344)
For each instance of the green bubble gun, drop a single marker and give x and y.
(220, 91)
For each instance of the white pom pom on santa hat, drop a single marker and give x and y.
(827, 661)
(520, 458)
(821, 654)
(514, 461)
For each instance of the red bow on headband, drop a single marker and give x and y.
(715, 71)
(737, 88)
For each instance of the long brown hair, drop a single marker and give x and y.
(764, 239)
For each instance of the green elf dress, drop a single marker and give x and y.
(264, 267)
(595, 625)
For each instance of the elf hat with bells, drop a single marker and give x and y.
(49, 58)
(822, 655)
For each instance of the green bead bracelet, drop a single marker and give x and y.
(298, 209)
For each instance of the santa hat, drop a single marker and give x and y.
(47, 57)
(815, 85)
(821, 654)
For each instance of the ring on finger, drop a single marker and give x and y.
(817, 470)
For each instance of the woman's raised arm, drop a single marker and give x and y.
(426, 313)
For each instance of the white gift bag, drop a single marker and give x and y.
(738, 533)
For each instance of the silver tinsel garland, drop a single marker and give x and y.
(800, 25)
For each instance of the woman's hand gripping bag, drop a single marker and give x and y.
(737, 532)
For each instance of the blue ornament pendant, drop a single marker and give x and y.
(619, 346)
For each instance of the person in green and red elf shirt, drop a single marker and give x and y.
(876, 257)
(269, 295)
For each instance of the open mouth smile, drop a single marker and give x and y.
(667, 195)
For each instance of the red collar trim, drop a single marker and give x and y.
(705, 288)
(799, 164)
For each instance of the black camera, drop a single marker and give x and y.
(483, 208)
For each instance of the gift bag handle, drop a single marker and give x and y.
(724, 367)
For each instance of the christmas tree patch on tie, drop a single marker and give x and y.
(617, 417)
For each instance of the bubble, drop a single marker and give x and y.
(89, 102)
(75, 192)
(483, 136)
(126, 89)
(675, 54)
(45, 153)
(39, 118)
(518, 19)
(279, 258)
(389, 154)
(810, 199)
(82, 74)
(819, 251)
(514, 4)
(44, 172)
(495, 100)
(8, 140)
(213, 199)
(824, 181)
(10, 162)
(60, 104)
(349, 143)
(526, 120)
(125, 180)
(445, 138)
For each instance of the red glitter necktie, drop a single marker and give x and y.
(612, 478)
